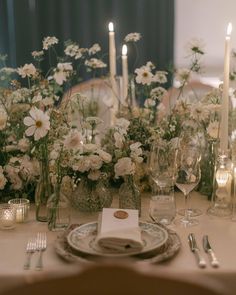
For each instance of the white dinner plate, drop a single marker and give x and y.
(82, 239)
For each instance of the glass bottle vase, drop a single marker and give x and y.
(58, 210)
(92, 196)
(43, 192)
(129, 195)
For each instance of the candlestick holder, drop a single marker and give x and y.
(221, 204)
(7, 216)
(21, 206)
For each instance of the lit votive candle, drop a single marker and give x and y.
(7, 216)
(22, 208)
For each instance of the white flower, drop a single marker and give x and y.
(82, 165)
(12, 173)
(122, 125)
(136, 152)
(150, 65)
(36, 54)
(94, 175)
(182, 75)
(95, 162)
(23, 145)
(199, 112)
(28, 70)
(90, 147)
(71, 50)
(158, 92)
(3, 179)
(119, 140)
(95, 63)
(106, 157)
(38, 123)
(94, 49)
(149, 103)
(195, 46)
(144, 75)
(124, 166)
(132, 37)
(62, 72)
(3, 119)
(160, 77)
(73, 140)
(48, 42)
(213, 129)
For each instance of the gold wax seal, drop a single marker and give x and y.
(121, 214)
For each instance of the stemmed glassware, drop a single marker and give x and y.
(188, 177)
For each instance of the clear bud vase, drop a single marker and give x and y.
(129, 195)
(221, 203)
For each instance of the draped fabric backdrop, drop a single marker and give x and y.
(24, 23)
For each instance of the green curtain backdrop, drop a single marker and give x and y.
(24, 23)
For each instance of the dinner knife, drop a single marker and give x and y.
(208, 250)
(194, 248)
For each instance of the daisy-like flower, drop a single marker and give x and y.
(160, 77)
(195, 46)
(182, 75)
(38, 123)
(71, 50)
(49, 42)
(132, 37)
(199, 112)
(213, 129)
(157, 93)
(94, 49)
(37, 54)
(95, 63)
(144, 75)
(28, 70)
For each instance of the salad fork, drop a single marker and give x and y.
(41, 245)
(30, 249)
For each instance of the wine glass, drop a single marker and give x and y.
(188, 177)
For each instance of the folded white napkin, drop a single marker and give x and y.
(119, 230)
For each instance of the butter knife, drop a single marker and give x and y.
(194, 248)
(207, 247)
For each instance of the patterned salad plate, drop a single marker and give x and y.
(82, 239)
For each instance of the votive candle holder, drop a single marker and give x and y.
(7, 216)
(22, 208)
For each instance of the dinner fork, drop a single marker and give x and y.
(30, 249)
(41, 245)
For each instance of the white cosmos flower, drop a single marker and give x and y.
(144, 75)
(124, 166)
(62, 72)
(38, 123)
(28, 70)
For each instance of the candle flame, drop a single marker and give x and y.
(124, 49)
(229, 29)
(111, 27)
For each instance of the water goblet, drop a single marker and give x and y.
(188, 177)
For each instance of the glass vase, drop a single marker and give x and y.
(129, 195)
(43, 192)
(208, 162)
(92, 196)
(58, 210)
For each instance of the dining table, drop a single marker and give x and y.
(221, 233)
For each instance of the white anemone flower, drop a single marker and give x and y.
(38, 123)
(144, 75)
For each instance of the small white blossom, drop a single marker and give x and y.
(48, 42)
(62, 72)
(28, 70)
(199, 112)
(157, 93)
(94, 49)
(132, 37)
(36, 54)
(195, 46)
(23, 145)
(160, 77)
(95, 63)
(124, 166)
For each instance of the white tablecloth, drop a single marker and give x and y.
(222, 235)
